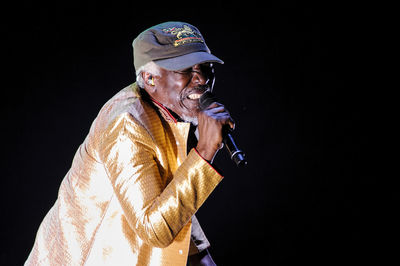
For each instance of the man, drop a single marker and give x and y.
(132, 190)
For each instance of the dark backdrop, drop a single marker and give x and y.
(308, 193)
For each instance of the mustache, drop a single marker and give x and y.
(204, 87)
(198, 89)
(187, 91)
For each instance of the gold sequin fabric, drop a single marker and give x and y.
(130, 193)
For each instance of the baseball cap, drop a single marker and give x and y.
(172, 45)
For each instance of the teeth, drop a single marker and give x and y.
(194, 96)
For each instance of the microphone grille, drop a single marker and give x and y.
(206, 99)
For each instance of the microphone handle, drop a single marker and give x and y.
(236, 155)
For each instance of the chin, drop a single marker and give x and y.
(190, 119)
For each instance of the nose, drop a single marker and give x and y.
(198, 77)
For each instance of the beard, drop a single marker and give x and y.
(192, 106)
(192, 120)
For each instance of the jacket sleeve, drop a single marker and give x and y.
(156, 213)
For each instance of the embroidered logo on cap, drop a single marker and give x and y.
(184, 35)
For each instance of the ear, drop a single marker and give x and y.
(149, 85)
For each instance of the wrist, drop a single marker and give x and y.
(207, 154)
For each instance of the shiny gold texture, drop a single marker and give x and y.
(130, 194)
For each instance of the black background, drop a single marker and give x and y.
(290, 80)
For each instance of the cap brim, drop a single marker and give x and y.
(187, 60)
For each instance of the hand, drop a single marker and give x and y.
(201, 259)
(211, 122)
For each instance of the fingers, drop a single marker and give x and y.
(218, 112)
(213, 105)
(232, 124)
(216, 108)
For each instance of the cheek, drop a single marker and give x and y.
(177, 83)
(171, 98)
(174, 95)
(173, 88)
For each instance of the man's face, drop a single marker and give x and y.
(180, 91)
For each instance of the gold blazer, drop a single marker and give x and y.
(130, 193)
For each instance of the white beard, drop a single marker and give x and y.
(192, 120)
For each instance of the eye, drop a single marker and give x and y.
(184, 72)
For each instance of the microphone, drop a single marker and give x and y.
(235, 153)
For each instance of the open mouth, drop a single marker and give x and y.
(194, 96)
(189, 98)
